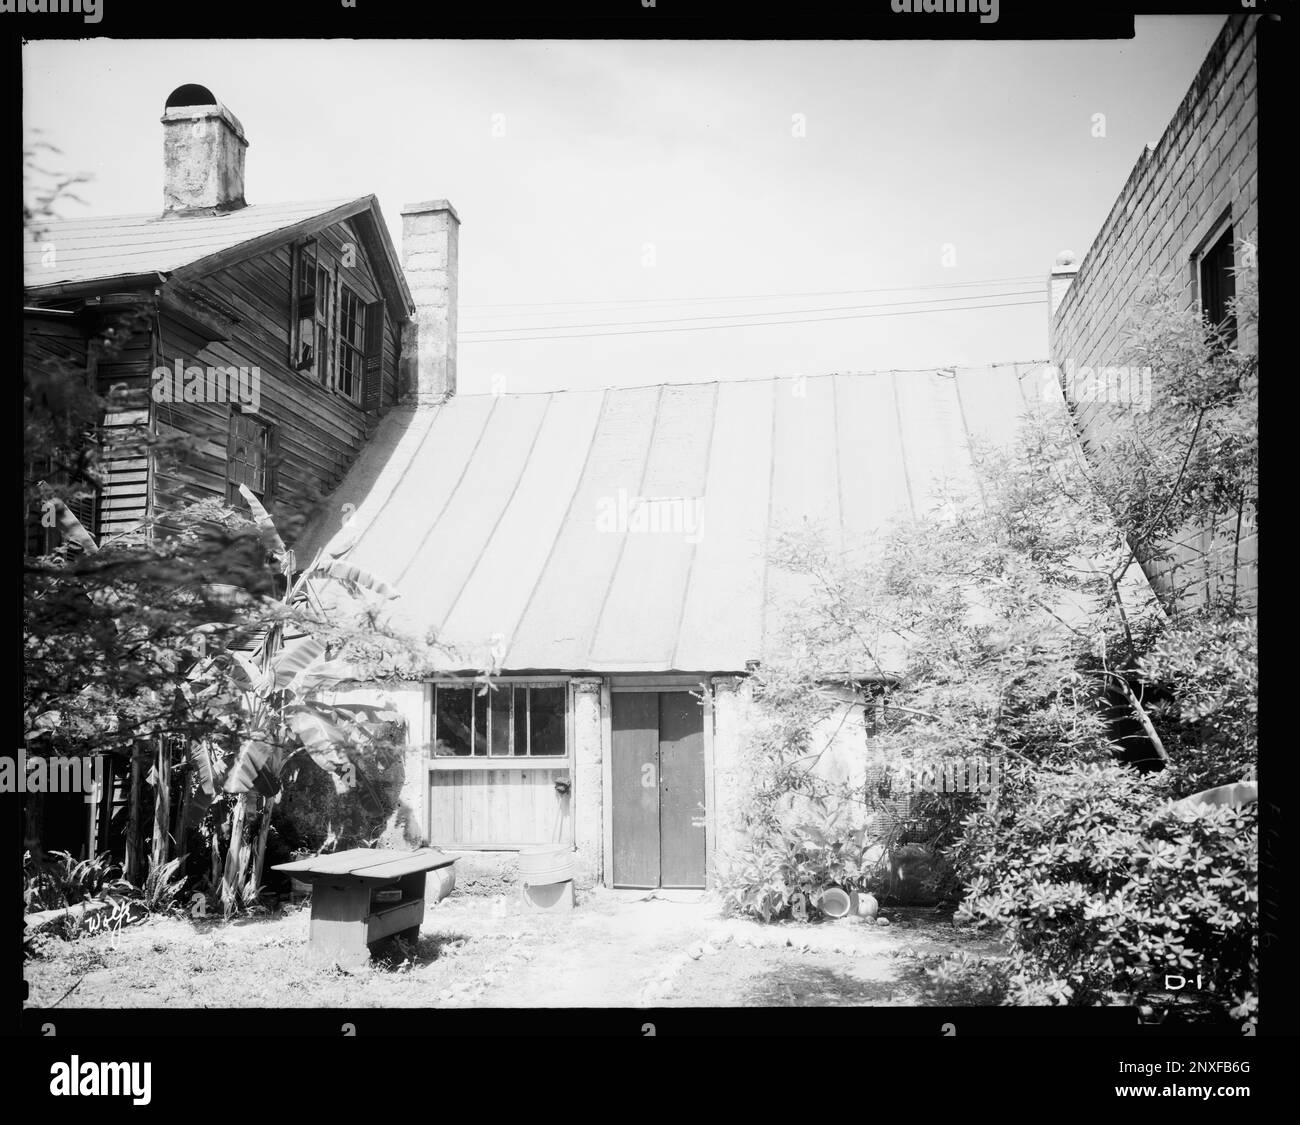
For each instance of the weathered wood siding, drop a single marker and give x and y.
(498, 807)
(318, 432)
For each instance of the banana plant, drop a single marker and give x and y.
(273, 692)
(281, 680)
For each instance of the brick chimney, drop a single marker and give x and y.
(203, 153)
(430, 239)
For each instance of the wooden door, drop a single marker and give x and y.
(658, 782)
(681, 790)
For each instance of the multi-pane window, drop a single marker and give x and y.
(248, 457)
(352, 356)
(313, 313)
(510, 720)
(303, 345)
(336, 337)
(1218, 285)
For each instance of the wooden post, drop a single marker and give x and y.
(162, 803)
(34, 809)
(134, 833)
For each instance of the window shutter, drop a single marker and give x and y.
(272, 463)
(372, 384)
(233, 477)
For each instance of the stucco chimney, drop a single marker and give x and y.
(203, 153)
(1058, 281)
(430, 239)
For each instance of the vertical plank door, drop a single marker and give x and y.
(635, 770)
(681, 790)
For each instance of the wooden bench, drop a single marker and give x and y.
(347, 912)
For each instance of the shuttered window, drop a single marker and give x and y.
(372, 387)
(249, 457)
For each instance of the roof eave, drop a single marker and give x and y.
(366, 204)
(96, 285)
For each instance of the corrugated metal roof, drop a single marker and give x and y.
(71, 251)
(508, 521)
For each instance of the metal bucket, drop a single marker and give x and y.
(543, 864)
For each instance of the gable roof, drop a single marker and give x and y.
(506, 521)
(142, 249)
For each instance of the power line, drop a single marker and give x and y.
(733, 316)
(747, 296)
(758, 324)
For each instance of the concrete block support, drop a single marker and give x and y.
(732, 702)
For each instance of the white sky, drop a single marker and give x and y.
(687, 146)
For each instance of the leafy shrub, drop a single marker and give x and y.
(965, 979)
(1210, 665)
(162, 887)
(797, 853)
(57, 880)
(1101, 887)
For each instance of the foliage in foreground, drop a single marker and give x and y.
(802, 856)
(1011, 623)
(1100, 885)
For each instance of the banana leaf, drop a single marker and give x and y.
(266, 523)
(346, 572)
(323, 673)
(208, 776)
(343, 541)
(323, 740)
(249, 677)
(71, 530)
(297, 654)
(326, 743)
(256, 769)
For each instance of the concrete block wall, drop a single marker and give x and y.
(1203, 168)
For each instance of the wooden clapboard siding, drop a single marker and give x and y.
(497, 807)
(318, 432)
(55, 339)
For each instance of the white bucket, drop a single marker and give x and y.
(836, 902)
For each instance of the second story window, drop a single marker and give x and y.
(302, 342)
(312, 319)
(336, 336)
(1217, 284)
(351, 358)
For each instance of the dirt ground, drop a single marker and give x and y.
(615, 949)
